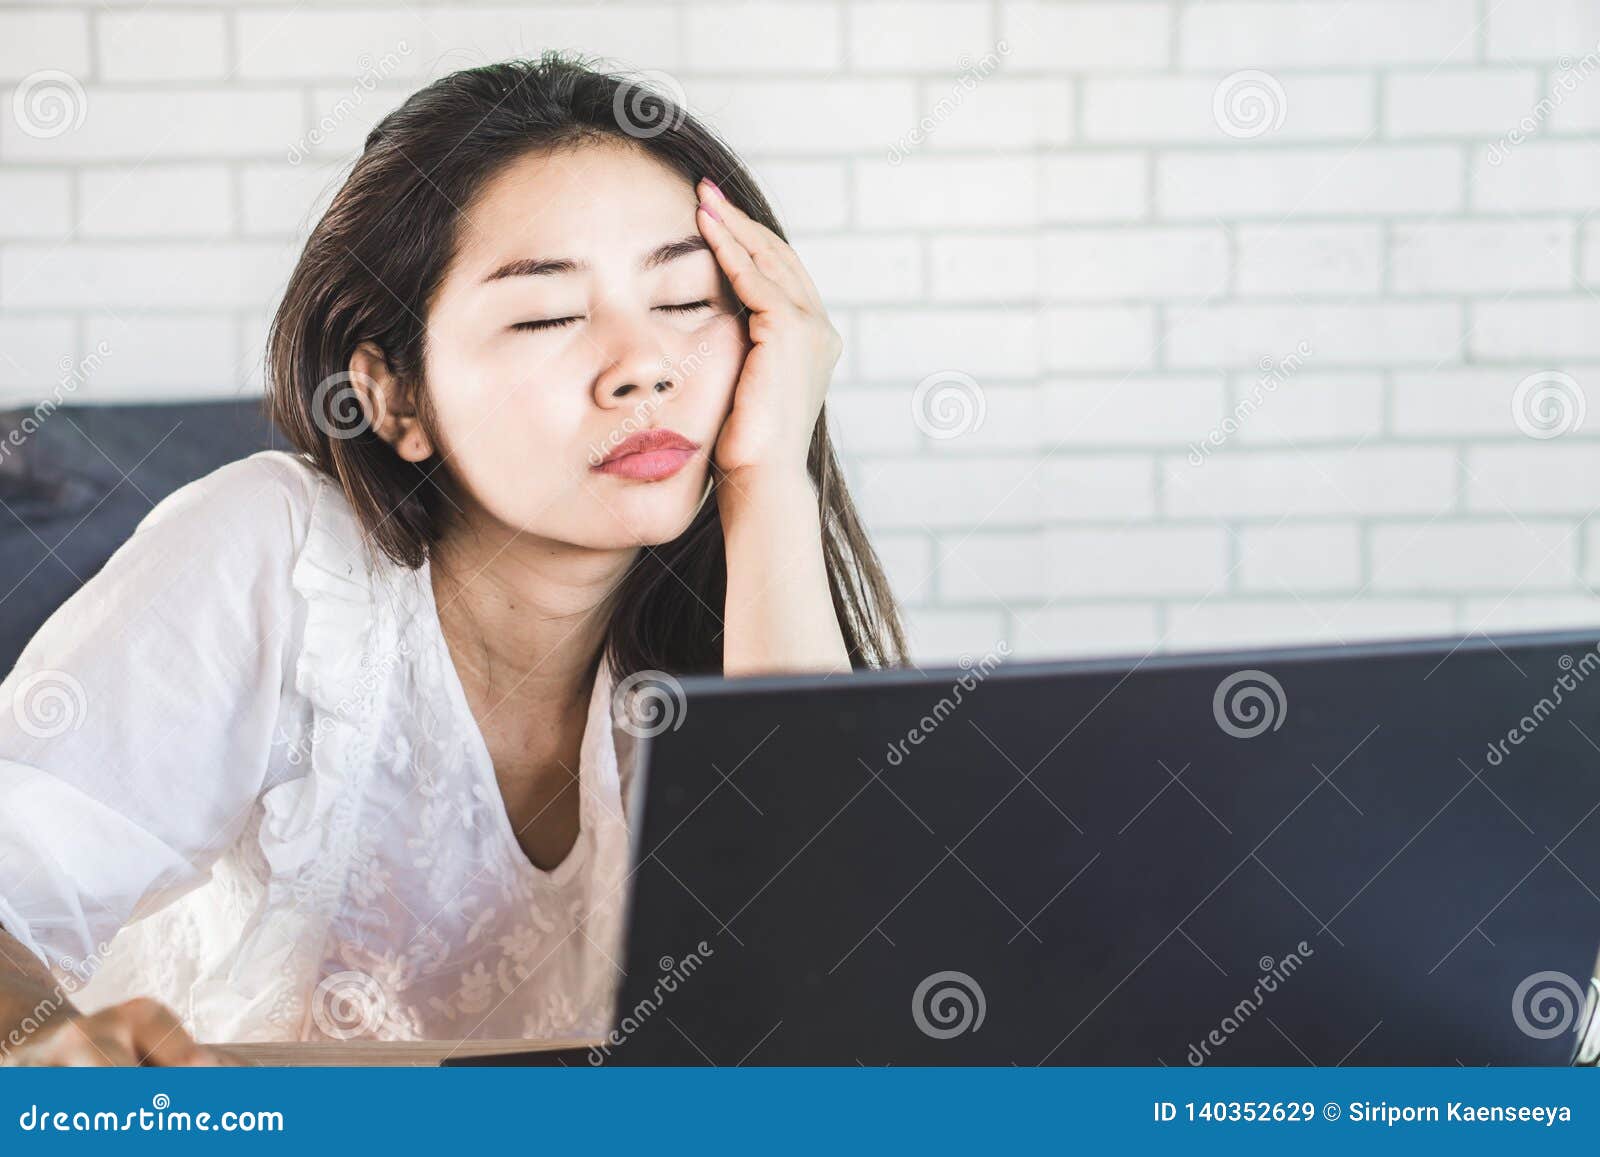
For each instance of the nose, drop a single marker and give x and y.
(639, 370)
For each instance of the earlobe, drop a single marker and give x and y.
(414, 445)
(386, 406)
(406, 435)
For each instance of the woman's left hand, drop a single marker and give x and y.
(794, 345)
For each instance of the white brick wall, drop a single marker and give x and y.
(1118, 260)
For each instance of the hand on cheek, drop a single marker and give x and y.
(793, 347)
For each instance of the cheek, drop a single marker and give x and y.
(494, 415)
(720, 347)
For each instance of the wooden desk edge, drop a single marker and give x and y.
(417, 1053)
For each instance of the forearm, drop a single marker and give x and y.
(29, 995)
(779, 615)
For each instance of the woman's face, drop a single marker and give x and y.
(581, 284)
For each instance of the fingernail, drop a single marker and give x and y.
(707, 206)
(714, 188)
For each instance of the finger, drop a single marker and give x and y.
(755, 289)
(759, 239)
(772, 254)
(78, 1045)
(155, 1034)
(100, 1051)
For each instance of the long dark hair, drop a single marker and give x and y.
(368, 273)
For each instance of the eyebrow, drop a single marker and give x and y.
(548, 266)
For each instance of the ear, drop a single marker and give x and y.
(385, 402)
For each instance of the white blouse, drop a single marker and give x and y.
(239, 773)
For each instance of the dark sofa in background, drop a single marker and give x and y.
(79, 484)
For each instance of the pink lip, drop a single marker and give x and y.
(649, 455)
(650, 466)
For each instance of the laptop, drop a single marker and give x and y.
(1374, 854)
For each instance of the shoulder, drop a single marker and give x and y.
(268, 496)
(260, 539)
(228, 541)
(271, 514)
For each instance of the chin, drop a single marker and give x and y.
(648, 519)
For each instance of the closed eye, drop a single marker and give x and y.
(548, 323)
(559, 322)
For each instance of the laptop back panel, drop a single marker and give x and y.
(1309, 856)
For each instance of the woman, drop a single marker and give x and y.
(338, 744)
